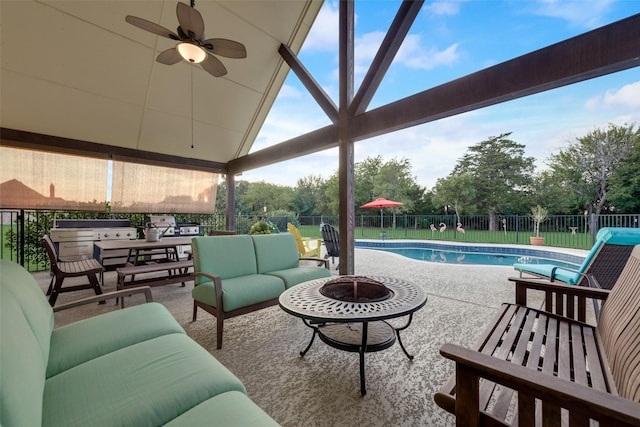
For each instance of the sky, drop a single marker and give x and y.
(448, 40)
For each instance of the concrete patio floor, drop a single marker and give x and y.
(321, 389)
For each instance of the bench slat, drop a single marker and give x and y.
(505, 396)
(183, 275)
(535, 354)
(152, 268)
(579, 356)
(551, 346)
(598, 379)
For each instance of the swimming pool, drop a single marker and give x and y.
(478, 255)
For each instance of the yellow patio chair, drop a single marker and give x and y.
(304, 243)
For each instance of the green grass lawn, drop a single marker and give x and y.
(557, 239)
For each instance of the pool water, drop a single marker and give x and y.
(462, 257)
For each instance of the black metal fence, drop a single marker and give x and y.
(21, 230)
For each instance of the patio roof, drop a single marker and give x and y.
(77, 77)
(77, 71)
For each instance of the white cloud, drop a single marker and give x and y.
(288, 91)
(627, 96)
(413, 55)
(324, 33)
(578, 13)
(443, 8)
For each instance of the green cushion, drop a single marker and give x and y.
(26, 321)
(28, 295)
(22, 366)
(294, 276)
(240, 291)
(230, 409)
(275, 252)
(546, 270)
(607, 235)
(87, 339)
(146, 384)
(225, 256)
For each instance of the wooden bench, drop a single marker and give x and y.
(548, 367)
(110, 258)
(177, 272)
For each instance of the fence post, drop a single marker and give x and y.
(517, 228)
(406, 225)
(21, 244)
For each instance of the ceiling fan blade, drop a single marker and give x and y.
(151, 27)
(169, 57)
(213, 66)
(224, 47)
(190, 21)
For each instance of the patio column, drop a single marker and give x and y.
(346, 208)
(231, 201)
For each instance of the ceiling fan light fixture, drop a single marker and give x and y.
(191, 52)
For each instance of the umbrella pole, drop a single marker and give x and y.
(381, 219)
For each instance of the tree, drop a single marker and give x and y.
(307, 195)
(394, 182)
(625, 182)
(501, 175)
(589, 164)
(375, 178)
(261, 195)
(457, 191)
(550, 190)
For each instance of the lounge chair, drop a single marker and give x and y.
(331, 242)
(604, 262)
(303, 243)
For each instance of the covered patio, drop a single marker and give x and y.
(95, 89)
(322, 389)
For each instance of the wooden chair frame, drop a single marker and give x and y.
(63, 269)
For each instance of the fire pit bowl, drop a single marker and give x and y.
(355, 289)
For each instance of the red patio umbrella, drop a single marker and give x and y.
(381, 203)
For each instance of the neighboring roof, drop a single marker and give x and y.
(75, 69)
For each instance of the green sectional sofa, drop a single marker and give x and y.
(239, 274)
(134, 367)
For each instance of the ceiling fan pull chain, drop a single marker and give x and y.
(191, 104)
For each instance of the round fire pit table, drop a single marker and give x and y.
(350, 312)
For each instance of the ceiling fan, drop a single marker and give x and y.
(192, 45)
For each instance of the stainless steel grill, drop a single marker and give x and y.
(74, 238)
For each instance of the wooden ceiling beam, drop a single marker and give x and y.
(606, 50)
(400, 26)
(57, 144)
(614, 47)
(310, 83)
(309, 143)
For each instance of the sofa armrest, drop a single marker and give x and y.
(581, 402)
(318, 260)
(146, 290)
(217, 284)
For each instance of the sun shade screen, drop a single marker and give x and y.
(157, 189)
(41, 180)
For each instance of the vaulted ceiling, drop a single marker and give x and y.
(76, 70)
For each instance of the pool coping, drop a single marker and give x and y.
(574, 256)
